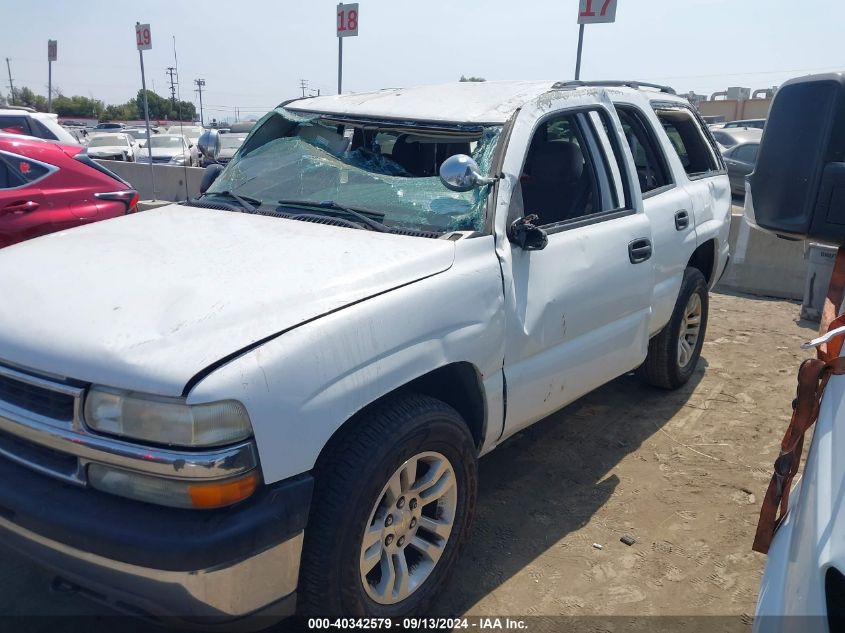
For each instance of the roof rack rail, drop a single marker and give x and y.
(17, 107)
(610, 83)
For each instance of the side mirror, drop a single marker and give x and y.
(209, 176)
(461, 173)
(209, 144)
(798, 184)
(528, 237)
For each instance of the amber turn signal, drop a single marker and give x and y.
(225, 493)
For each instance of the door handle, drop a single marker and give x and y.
(20, 208)
(639, 250)
(681, 220)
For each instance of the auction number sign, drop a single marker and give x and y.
(142, 37)
(347, 20)
(596, 11)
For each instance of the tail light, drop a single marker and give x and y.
(129, 197)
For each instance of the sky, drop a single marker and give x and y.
(253, 53)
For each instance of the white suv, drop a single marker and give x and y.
(272, 398)
(20, 120)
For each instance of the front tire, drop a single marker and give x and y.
(393, 503)
(674, 353)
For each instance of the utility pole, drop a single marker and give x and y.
(11, 83)
(172, 72)
(200, 85)
(303, 85)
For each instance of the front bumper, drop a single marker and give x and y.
(188, 566)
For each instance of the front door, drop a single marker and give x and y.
(578, 310)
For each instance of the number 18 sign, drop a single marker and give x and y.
(347, 20)
(596, 11)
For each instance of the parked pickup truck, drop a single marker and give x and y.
(271, 399)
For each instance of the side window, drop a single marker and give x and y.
(686, 136)
(21, 170)
(724, 139)
(746, 153)
(14, 125)
(41, 130)
(8, 177)
(565, 176)
(652, 169)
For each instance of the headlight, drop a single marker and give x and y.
(178, 160)
(168, 421)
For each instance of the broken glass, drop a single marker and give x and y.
(385, 168)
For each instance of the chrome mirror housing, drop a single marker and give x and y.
(461, 173)
(209, 144)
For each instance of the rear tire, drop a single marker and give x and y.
(672, 358)
(401, 481)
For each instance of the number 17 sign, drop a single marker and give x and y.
(596, 11)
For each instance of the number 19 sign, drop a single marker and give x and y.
(347, 20)
(142, 37)
(596, 11)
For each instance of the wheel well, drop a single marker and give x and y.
(459, 386)
(456, 384)
(703, 259)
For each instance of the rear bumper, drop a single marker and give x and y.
(192, 566)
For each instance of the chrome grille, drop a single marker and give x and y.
(39, 458)
(39, 400)
(53, 405)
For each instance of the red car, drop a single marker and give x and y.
(47, 186)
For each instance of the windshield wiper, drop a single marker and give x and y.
(332, 205)
(250, 204)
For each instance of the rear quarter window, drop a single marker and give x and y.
(14, 125)
(20, 170)
(694, 148)
(8, 178)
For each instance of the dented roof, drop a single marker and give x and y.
(490, 102)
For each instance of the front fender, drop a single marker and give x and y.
(302, 386)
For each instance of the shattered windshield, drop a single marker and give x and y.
(387, 169)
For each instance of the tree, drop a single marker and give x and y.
(162, 108)
(90, 108)
(472, 78)
(27, 97)
(77, 106)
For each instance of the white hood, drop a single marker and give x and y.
(159, 152)
(146, 301)
(108, 150)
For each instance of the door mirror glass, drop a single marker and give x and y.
(461, 173)
(209, 144)
(528, 237)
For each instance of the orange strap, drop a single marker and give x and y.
(812, 380)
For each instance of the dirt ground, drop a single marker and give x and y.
(683, 473)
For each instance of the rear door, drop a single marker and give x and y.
(666, 202)
(578, 310)
(699, 167)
